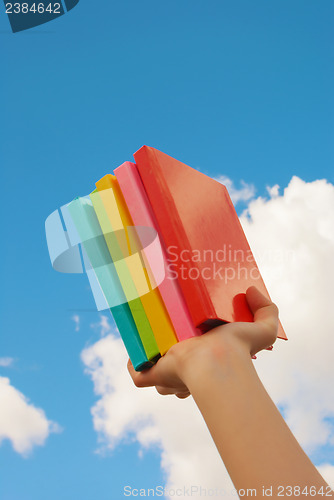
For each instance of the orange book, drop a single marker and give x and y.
(207, 248)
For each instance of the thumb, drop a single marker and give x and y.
(264, 310)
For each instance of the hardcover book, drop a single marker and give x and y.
(211, 257)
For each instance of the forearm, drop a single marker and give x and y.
(255, 443)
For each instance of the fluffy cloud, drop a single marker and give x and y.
(188, 454)
(293, 241)
(22, 423)
(327, 472)
(292, 238)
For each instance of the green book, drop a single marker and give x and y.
(87, 225)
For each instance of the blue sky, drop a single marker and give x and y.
(243, 89)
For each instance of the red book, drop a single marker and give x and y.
(208, 250)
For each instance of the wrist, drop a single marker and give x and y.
(203, 361)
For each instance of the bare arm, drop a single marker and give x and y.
(253, 440)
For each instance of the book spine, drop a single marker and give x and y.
(151, 302)
(108, 214)
(87, 226)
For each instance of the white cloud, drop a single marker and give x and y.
(293, 241)
(123, 412)
(6, 362)
(76, 319)
(244, 193)
(273, 191)
(327, 471)
(22, 423)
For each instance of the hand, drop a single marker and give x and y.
(169, 375)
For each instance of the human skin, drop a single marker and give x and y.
(255, 443)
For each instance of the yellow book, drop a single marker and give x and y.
(116, 225)
(117, 248)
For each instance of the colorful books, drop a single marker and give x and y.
(142, 215)
(104, 203)
(163, 249)
(204, 238)
(83, 215)
(159, 321)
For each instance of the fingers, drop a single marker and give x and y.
(265, 312)
(164, 391)
(182, 395)
(144, 378)
(167, 391)
(261, 334)
(157, 375)
(154, 377)
(256, 300)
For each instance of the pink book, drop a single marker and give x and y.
(140, 210)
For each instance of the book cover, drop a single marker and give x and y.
(202, 233)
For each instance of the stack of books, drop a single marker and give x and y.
(164, 250)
